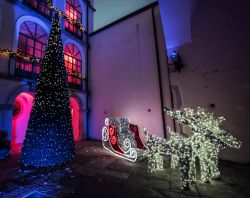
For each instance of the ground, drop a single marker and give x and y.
(96, 173)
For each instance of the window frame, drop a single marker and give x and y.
(74, 66)
(37, 8)
(76, 30)
(24, 68)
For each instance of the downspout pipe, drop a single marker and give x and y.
(159, 74)
(87, 73)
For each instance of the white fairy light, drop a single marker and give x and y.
(206, 141)
(123, 144)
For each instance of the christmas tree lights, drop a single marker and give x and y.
(49, 137)
(19, 56)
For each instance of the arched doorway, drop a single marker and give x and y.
(21, 113)
(76, 119)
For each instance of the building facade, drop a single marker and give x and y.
(132, 74)
(129, 76)
(127, 65)
(24, 28)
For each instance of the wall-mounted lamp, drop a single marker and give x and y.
(177, 61)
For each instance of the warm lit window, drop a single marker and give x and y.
(73, 63)
(31, 43)
(39, 5)
(73, 11)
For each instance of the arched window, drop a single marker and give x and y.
(39, 5)
(31, 43)
(73, 64)
(73, 11)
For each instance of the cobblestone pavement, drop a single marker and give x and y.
(96, 173)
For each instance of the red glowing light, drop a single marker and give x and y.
(23, 105)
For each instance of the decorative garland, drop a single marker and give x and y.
(19, 56)
(35, 60)
(61, 13)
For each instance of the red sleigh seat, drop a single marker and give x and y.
(122, 139)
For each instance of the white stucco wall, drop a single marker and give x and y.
(218, 67)
(123, 74)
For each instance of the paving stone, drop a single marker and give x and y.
(86, 170)
(34, 194)
(117, 174)
(97, 173)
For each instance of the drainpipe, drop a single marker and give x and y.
(87, 72)
(159, 74)
(171, 93)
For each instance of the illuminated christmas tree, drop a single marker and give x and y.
(49, 137)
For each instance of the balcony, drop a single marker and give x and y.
(28, 70)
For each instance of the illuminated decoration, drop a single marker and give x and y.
(68, 18)
(156, 149)
(122, 139)
(18, 55)
(49, 136)
(206, 141)
(29, 59)
(37, 60)
(178, 147)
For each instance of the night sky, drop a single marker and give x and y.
(108, 11)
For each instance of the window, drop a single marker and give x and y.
(73, 64)
(73, 11)
(31, 43)
(39, 5)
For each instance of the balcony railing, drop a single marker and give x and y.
(28, 70)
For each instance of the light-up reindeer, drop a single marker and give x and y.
(206, 141)
(178, 147)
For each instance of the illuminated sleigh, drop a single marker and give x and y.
(122, 139)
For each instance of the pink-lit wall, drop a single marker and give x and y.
(218, 68)
(124, 74)
(20, 121)
(76, 119)
(12, 14)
